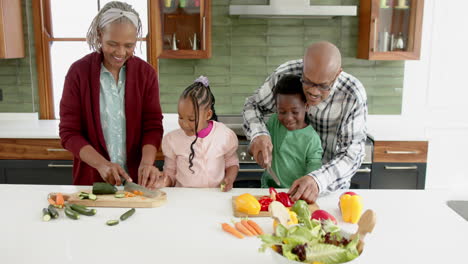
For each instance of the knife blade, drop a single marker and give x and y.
(131, 186)
(273, 175)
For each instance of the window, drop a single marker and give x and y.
(60, 31)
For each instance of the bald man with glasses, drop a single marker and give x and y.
(337, 109)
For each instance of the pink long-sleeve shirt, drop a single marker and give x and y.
(213, 154)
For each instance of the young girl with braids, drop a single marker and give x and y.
(202, 153)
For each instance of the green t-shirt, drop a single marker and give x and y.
(295, 153)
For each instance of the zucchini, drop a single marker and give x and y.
(112, 222)
(127, 214)
(53, 212)
(85, 195)
(104, 188)
(45, 215)
(71, 214)
(83, 210)
(119, 195)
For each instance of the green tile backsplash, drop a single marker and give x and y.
(245, 51)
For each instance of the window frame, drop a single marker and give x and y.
(43, 34)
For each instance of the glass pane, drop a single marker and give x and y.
(64, 54)
(393, 30)
(181, 24)
(74, 22)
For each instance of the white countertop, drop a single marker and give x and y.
(413, 226)
(27, 126)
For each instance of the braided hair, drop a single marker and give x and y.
(201, 96)
(94, 30)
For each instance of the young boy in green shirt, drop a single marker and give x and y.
(297, 149)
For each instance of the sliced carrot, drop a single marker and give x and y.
(239, 226)
(249, 227)
(257, 228)
(51, 201)
(59, 199)
(231, 230)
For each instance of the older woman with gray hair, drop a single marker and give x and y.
(110, 114)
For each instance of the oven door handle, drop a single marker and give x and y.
(364, 170)
(251, 170)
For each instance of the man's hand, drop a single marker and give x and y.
(261, 149)
(148, 174)
(304, 188)
(111, 173)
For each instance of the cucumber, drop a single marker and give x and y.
(85, 195)
(127, 214)
(45, 215)
(52, 211)
(112, 222)
(83, 210)
(119, 195)
(71, 214)
(103, 188)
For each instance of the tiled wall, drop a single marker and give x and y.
(245, 51)
(18, 80)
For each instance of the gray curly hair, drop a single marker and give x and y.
(93, 35)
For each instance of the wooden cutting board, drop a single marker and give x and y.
(312, 208)
(108, 200)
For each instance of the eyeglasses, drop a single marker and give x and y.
(321, 87)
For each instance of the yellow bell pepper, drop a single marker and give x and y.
(247, 203)
(351, 207)
(292, 216)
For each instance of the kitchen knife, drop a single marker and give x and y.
(131, 186)
(273, 175)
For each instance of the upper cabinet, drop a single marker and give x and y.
(390, 29)
(182, 29)
(11, 30)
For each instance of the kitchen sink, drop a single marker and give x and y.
(461, 207)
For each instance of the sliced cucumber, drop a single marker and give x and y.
(71, 214)
(83, 210)
(112, 222)
(85, 195)
(45, 215)
(52, 211)
(127, 214)
(119, 195)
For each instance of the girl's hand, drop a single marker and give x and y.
(228, 183)
(148, 174)
(162, 181)
(111, 173)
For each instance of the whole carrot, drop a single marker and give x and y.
(239, 226)
(257, 228)
(59, 199)
(249, 227)
(231, 230)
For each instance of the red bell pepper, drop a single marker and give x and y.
(265, 201)
(281, 197)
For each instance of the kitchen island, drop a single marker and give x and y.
(413, 226)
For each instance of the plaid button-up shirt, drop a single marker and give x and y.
(340, 120)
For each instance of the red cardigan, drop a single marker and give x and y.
(80, 119)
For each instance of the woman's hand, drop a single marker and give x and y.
(163, 181)
(111, 173)
(148, 175)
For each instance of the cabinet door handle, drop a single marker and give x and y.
(56, 149)
(365, 170)
(401, 152)
(251, 170)
(51, 165)
(374, 49)
(401, 168)
(203, 33)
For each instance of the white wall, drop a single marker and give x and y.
(435, 96)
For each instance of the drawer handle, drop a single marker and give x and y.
(365, 170)
(56, 149)
(51, 165)
(251, 170)
(401, 152)
(401, 168)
